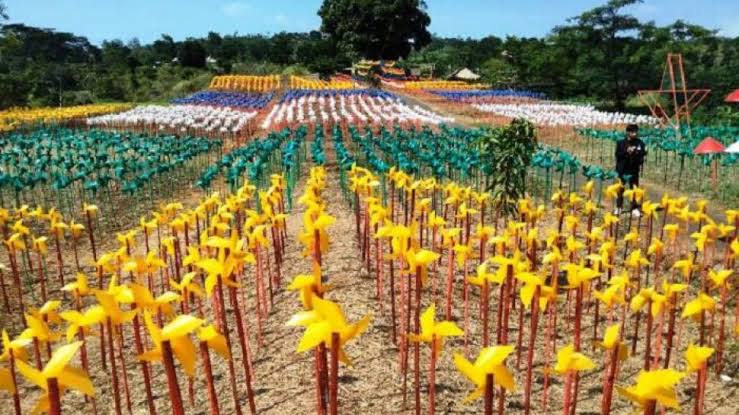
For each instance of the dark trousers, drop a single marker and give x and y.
(631, 183)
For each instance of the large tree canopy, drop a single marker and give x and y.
(376, 29)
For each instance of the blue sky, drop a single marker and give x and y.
(147, 19)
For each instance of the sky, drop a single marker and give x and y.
(146, 20)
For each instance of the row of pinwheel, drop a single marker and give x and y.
(180, 119)
(177, 282)
(443, 85)
(453, 153)
(246, 83)
(227, 99)
(670, 155)
(647, 293)
(253, 162)
(484, 95)
(557, 114)
(348, 106)
(63, 168)
(14, 118)
(300, 82)
(327, 330)
(555, 161)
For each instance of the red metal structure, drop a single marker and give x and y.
(673, 102)
(733, 97)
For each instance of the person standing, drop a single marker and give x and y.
(630, 154)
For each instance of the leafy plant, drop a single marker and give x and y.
(509, 151)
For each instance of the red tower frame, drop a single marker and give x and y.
(674, 85)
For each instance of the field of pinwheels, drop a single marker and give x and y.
(306, 246)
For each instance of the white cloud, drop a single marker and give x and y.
(235, 9)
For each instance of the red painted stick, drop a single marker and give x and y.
(334, 381)
(174, 387)
(489, 394)
(55, 405)
(212, 396)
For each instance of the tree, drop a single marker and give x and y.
(164, 49)
(508, 152)
(376, 29)
(499, 72)
(192, 53)
(3, 11)
(603, 52)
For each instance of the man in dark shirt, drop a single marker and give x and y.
(630, 153)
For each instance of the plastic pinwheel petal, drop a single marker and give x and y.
(656, 385)
(489, 361)
(697, 356)
(569, 360)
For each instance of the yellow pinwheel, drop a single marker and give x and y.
(612, 340)
(82, 320)
(652, 387)
(698, 305)
(697, 356)
(418, 261)
(145, 300)
(433, 332)
(14, 349)
(308, 285)
(490, 361)
(568, 361)
(174, 335)
(56, 377)
(321, 322)
(79, 288)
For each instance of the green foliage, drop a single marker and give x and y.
(192, 53)
(508, 151)
(376, 29)
(499, 73)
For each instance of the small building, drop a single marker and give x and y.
(464, 74)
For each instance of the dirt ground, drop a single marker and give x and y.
(284, 382)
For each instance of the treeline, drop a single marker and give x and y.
(44, 67)
(604, 55)
(572, 63)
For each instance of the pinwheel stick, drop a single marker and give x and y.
(246, 358)
(91, 234)
(417, 345)
(489, 385)
(6, 302)
(114, 375)
(220, 306)
(609, 381)
(700, 389)
(672, 304)
(530, 351)
(174, 387)
(55, 405)
(16, 396)
(144, 365)
(334, 381)
(432, 376)
(650, 408)
(722, 331)
(212, 396)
